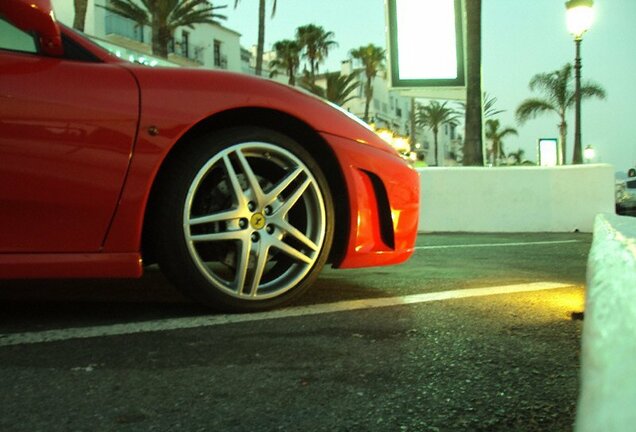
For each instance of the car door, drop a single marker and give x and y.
(67, 129)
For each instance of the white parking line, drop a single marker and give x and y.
(497, 244)
(216, 320)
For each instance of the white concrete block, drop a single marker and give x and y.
(515, 199)
(607, 400)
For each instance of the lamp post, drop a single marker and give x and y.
(579, 18)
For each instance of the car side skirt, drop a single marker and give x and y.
(73, 265)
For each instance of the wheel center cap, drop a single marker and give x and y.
(257, 221)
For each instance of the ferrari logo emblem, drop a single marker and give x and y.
(258, 221)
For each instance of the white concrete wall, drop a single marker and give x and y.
(515, 199)
(607, 399)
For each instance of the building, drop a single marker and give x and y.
(209, 45)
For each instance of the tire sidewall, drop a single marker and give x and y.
(171, 248)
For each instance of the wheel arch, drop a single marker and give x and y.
(282, 123)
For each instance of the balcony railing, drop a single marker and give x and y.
(189, 51)
(116, 24)
(221, 62)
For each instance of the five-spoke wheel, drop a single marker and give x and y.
(255, 219)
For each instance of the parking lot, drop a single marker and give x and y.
(475, 332)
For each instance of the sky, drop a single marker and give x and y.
(520, 38)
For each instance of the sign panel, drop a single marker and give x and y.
(548, 151)
(426, 43)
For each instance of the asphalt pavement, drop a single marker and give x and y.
(475, 332)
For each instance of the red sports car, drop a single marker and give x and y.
(240, 188)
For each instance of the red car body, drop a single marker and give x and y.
(82, 142)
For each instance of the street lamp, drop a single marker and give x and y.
(579, 18)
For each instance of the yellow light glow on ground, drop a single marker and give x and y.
(560, 304)
(570, 300)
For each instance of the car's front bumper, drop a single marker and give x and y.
(383, 204)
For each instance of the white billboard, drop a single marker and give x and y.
(426, 45)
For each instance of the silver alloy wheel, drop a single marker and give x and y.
(254, 220)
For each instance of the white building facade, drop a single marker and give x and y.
(209, 45)
(390, 110)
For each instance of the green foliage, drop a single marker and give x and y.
(558, 96)
(496, 136)
(372, 58)
(312, 43)
(165, 16)
(315, 43)
(433, 116)
(338, 90)
(129, 9)
(436, 114)
(489, 106)
(518, 158)
(287, 59)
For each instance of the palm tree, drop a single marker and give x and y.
(489, 109)
(433, 116)
(338, 89)
(80, 14)
(165, 16)
(496, 136)
(473, 154)
(559, 96)
(372, 58)
(287, 58)
(517, 156)
(260, 44)
(315, 42)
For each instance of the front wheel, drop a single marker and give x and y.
(244, 219)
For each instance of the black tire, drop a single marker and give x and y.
(243, 219)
